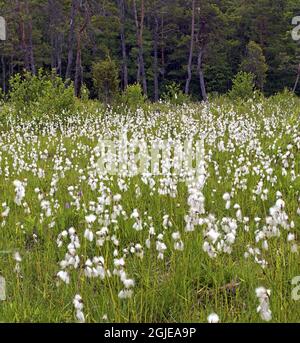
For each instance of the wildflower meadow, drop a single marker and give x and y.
(165, 213)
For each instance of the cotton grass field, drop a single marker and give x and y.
(214, 241)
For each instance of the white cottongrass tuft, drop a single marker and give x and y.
(19, 191)
(213, 318)
(263, 309)
(78, 305)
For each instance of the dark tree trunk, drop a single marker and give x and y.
(52, 42)
(3, 74)
(189, 67)
(78, 68)
(156, 95)
(11, 66)
(71, 38)
(138, 76)
(143, 72)
(59, 54)
(297, 80)
(201, 75)
(141, 75)
(56, 37)
(51, 13)
(22, 36)
(162, 46)
(123, 43)
(29, 47)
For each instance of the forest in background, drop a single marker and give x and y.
(198, 44)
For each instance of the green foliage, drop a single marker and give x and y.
(106, 79)
(286, 98)
(243, 86)
(255, 63)
(1, 95)
(41, 94)
(174, 95)
(84, 93)
(133, 96)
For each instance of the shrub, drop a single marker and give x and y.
(243, 86)
(133, 96)
(174, 95)
(41, 94)
(106, 79)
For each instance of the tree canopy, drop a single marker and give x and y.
(199, 44)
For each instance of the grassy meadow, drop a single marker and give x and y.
(81, 244)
